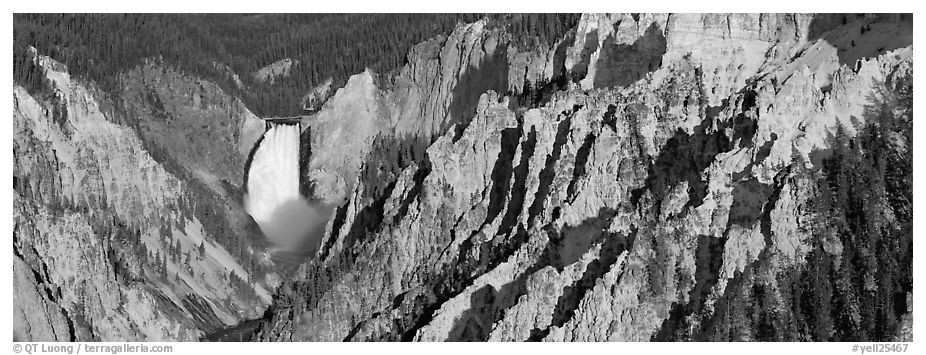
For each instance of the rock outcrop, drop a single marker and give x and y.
(275, 70)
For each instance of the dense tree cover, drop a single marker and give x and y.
(853, 283)
(529, 30)
(100, 46)
(865, 201)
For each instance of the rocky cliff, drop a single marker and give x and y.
(123, 230)
(653, 172)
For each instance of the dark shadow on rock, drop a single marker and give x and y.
(765, 215)
(622, 64)
(746, 122)
(761, 153)
(708, 260)
(490, 74)
(823, 23)
(749, 197)
(380, 172)
(519, 183)
(567, 247)
(684, 156)
(610, 117)
(424, 168)
(866, 37)
(475, 324)
(548, 173)
(559, 55)
(766, 149)
(578, 169)
(368, 220)
(306, 187)
(250, 159)
(580, 69)
(502, 172)
(573, 241)
(562, 249)
(612, 245)
(537, 94)
(475, 257)
(340, 215)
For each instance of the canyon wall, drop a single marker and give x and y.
(636, 193)
(121, 232)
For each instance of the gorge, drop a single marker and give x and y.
(643, 177)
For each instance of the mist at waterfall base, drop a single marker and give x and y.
(288, 220)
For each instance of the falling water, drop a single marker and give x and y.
(273, 198)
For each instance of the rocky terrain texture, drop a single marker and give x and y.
(127, 217)
(275, 69)
(647, 177)
(650, 177)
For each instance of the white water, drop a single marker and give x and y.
(273, 198)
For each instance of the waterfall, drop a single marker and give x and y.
(273, 198)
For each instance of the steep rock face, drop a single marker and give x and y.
(107, 239)
(401, 115)
(618, 49)
(444, 78)
(188, 120)
(31, 298)
(341, 136)
(635, 211)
